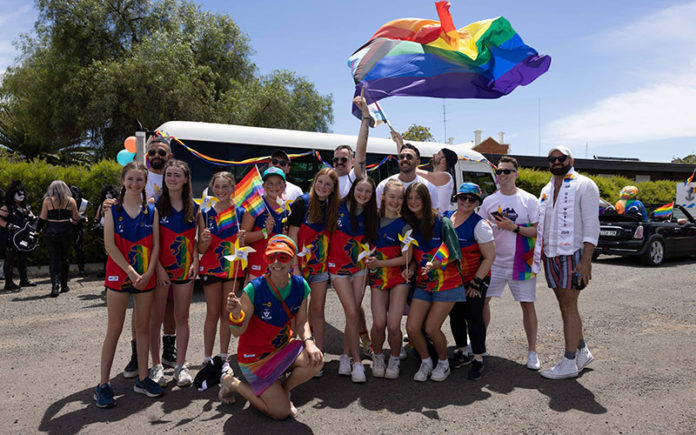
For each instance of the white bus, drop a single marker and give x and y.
(236, 143)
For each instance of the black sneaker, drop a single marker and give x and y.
(104, 396)
(27, 283)
(131, 369)
(459, 359)
(475, 370)
(147, 387)
(169, 350)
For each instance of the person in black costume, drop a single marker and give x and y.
(79, 232)
(14, 215)
(108, 192)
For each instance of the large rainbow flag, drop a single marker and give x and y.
(420, 57)
(248, 192)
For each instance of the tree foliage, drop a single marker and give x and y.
(690, 159)
(93, 67)
(418, 133)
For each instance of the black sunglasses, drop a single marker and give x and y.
(504, 171)
(161, 152)
(340, 159)
(562, 158)
(465, 198)
(276, 162)
(406, 157)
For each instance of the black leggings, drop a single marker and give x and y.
(468, 317)
(15, 258)
(79, 245)
(59, 248)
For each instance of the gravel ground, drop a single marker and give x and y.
(639, 323)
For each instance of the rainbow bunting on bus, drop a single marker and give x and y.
(248, 193)
(421, 57)
(442, 254)
(226, 219)
(664, 211)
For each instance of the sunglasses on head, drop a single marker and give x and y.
(342, 160)
(467, 198)
(406, 157)
(562, 158)
(282, 258)
(504, 171)
(160, 151)
(276, 162)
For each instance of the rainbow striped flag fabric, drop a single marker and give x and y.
(427, 58)
(523, 258)
(691, 178)
(664, 211)
(226, 219)
(248, 193)
(442, 254)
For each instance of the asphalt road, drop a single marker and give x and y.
(639, 323)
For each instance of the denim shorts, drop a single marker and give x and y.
(457, 294)
(319, 277)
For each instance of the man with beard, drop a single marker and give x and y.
(409, 159)
(567, 233)
(158, 153)
(442, 162)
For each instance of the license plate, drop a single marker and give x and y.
(608, 232)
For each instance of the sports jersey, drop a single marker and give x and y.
(257, 260)
(133, 238)
(344, 244)
(313, 234)
(387, 247)
(443, 278)
(223, 236)
(176, 243)
(468, 244)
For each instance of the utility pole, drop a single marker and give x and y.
(444, 118)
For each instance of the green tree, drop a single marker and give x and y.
(93, 67)
(418, 133)
(690, 159)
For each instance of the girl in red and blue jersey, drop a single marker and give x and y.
(131, 238)
(313, 217)
(388, 286)
(218, 230)
(177, 268)
(269, 223)
(438, 284)
(357, 225)
(477, 247)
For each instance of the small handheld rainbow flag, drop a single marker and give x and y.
(442, 254)
(664, 211)
(226, 219)
(690, 179)
(248, 193)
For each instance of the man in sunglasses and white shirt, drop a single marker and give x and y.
(512, 212)
(281, 160)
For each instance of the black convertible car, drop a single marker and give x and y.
(653, 240)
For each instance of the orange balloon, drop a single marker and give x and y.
(129, 144)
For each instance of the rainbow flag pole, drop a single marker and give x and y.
(248, 193)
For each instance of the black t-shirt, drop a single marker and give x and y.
(298, 209)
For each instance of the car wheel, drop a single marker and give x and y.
(655, 254)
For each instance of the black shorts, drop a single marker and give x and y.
(180, 281)
(212, 279)
(130, 290)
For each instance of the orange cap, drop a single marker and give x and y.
(281, 243)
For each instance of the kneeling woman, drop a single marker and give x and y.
(438, 283)
(267, 347)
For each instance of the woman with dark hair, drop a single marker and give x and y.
(313, 217)
(177, 268)
(357, 228)
(14, 215)
(438, 283)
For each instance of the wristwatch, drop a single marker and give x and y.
(517, 229)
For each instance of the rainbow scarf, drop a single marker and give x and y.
(664, 211)
(248, 193)
(442, 254)
(226, 219)
(524, 257)
(421, 57)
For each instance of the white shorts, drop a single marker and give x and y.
(522, 291)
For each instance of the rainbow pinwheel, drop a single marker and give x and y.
(240, 254)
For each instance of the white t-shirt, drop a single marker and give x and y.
(154, 185)
(344, 183)
(483, 232)
(521, 208)
(444, 195)
(292, 192)
(431, 188)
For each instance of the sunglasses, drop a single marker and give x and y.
(562, 158)
(504, 171)
(406, 157)
(161, 152)
(343, 160)
(276, 162)
(282, 258)
(467, 198)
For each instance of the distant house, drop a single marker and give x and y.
(490, 145)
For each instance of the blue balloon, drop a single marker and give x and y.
(124, 157)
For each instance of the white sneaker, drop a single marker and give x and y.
(533, 361)
(157, 375)
(441, 372)
(583, 358)
(226, 367)
(358, 373)
(344, 365)
(378, 366)
(423, 372)
(182, 376)
(404, 352)
(565, 369)
(392, 371)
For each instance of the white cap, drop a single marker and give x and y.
(562, 149)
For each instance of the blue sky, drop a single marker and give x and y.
(621, 81)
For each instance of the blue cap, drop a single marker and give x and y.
(470, 189)
(273, 171)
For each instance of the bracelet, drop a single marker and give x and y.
(265, 233)
(237, 321)
(517, 229)
(311, 337)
